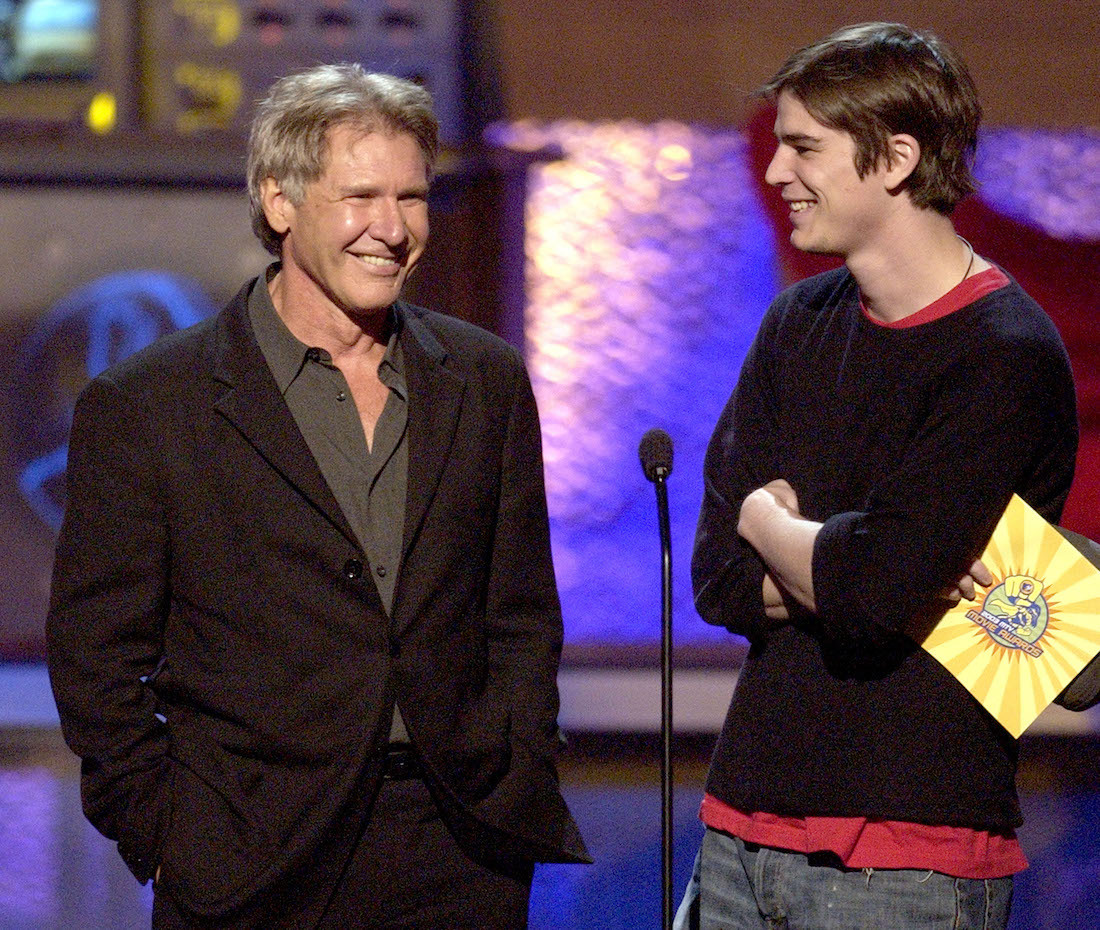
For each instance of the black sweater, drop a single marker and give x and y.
(907, 443)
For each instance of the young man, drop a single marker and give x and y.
(884, 416)
(304, 631)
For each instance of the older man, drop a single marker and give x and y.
(304, 630)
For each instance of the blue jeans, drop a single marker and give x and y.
(740, 886)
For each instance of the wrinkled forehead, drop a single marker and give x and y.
(358, 130)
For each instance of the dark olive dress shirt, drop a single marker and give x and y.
(368, 483)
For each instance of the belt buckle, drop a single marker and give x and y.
(401, 764)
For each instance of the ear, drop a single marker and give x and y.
(277, 206)
(903, 155)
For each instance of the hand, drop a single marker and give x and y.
(977, 574)
(784, 494)
(775, 608)
(776, 498)
(770, 522)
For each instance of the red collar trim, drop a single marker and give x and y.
(966, 292)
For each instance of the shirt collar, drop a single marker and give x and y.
(286, 354)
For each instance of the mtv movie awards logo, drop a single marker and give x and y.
(1014, 613)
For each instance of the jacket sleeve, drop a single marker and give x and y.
(727, 574)
(105, 624)
(523, 610)
(525, 633)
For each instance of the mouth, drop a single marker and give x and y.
(389, 263)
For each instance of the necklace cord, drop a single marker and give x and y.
(970, 264)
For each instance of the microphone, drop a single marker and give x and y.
(655, 451)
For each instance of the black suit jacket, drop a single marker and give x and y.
(219, 654)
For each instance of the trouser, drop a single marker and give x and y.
(405, 872)
(742, 886)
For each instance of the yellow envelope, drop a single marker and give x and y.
(1024, 638)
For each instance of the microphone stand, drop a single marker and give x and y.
(660, 482)
(655, 452)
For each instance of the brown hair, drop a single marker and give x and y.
(289, 137)
(874, 80)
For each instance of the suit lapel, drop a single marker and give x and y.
(435, 402)
(250, 400)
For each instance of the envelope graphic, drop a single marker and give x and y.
(1024, 638)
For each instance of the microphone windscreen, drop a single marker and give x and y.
(655, 451)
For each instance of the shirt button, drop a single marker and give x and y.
(353, 569)
(341, 396)
(381, 571)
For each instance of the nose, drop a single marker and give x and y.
(388, 223)
(779, 168)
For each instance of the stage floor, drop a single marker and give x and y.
(57, 873)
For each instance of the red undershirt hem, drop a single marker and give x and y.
(862, 843)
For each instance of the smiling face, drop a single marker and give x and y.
(361, 227)
(833, 210)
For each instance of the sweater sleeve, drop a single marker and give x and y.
(727, 574)
(1001, 421)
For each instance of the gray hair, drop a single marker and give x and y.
(289, 136)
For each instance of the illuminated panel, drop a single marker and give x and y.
(649, 266)
(66, 63)
(90, 329)
(208, 61)
(1050, 180)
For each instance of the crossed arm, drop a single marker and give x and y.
(784, 539)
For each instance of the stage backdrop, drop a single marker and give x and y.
(651, 254)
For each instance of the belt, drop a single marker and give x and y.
(400, 763)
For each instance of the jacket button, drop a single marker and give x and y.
(353, 569)
(395, 648)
